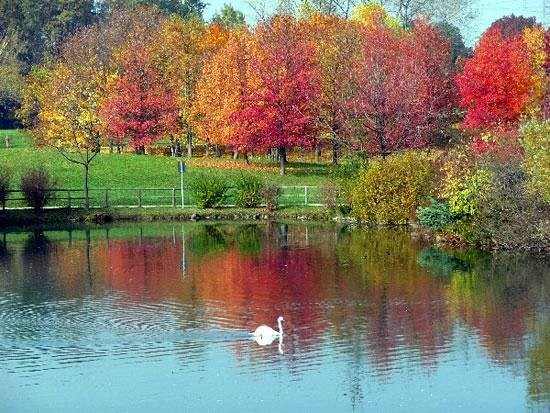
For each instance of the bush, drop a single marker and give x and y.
(331, 196)
(37, 187)
(391, 189)
(535, 140)
(463, 192)
(508, 216)
(435, 216)
(5, 178)
(209, 191)
(270, 194)
(350, 166)
(248, 191)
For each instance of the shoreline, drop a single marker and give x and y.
(26, 218)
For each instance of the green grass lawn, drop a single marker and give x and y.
(17, 138)
(128, 171)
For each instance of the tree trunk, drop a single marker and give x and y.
(235, 155)
(317, 153)
(218, 151)
(86, 187)
(335, 152)
(281, 151)
(246, 158)
(189, 145)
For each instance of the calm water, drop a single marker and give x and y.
(155, 318)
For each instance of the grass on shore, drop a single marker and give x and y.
(18, 219)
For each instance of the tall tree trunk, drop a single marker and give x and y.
(189, 144)
(281, 151)
(86, 186)
(335, 151)
(317, 153)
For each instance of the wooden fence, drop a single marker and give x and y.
(155, 198)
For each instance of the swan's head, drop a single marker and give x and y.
(281, 318)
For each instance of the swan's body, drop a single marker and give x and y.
(265, 335)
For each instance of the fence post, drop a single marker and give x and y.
(69, 199)
(173, 197)
(106, 198)
(139, 198)
(305, 196)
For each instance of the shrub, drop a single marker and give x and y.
(270, 194)
(248, 191)
(535, 140)
(435, 216)
(331, 196)
(350, 166)
(209, 191)
(508, 216)
(390, 190)
(37, 187)
(463, 192)
(5, 178)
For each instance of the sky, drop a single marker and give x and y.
(487, 12)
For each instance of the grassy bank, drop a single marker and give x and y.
(26, 218)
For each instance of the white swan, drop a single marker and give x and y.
(265, 335)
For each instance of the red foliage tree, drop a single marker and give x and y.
(281, 109)
(139, 109)
(406, 94)
(496, 83)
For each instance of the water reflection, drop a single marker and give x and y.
(365, 311)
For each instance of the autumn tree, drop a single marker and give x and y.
(223, 86)
(406, 94)
(139, 107)
(512, 26)
(281, 111)
(336, 42)
(496, 84)
(67, 101)
(179, 53)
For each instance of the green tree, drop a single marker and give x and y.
(183, 8)
(229, 17)
(458, 48)
(42, 25)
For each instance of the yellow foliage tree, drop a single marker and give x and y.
(67, 102)
(374, 14)
(533, 38)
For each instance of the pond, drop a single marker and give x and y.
(155, 317)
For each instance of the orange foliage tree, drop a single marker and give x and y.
(221, 90)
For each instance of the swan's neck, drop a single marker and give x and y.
(280, 327)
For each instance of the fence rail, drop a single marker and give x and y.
(154, 198)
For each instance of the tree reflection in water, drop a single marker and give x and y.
(377, 295)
